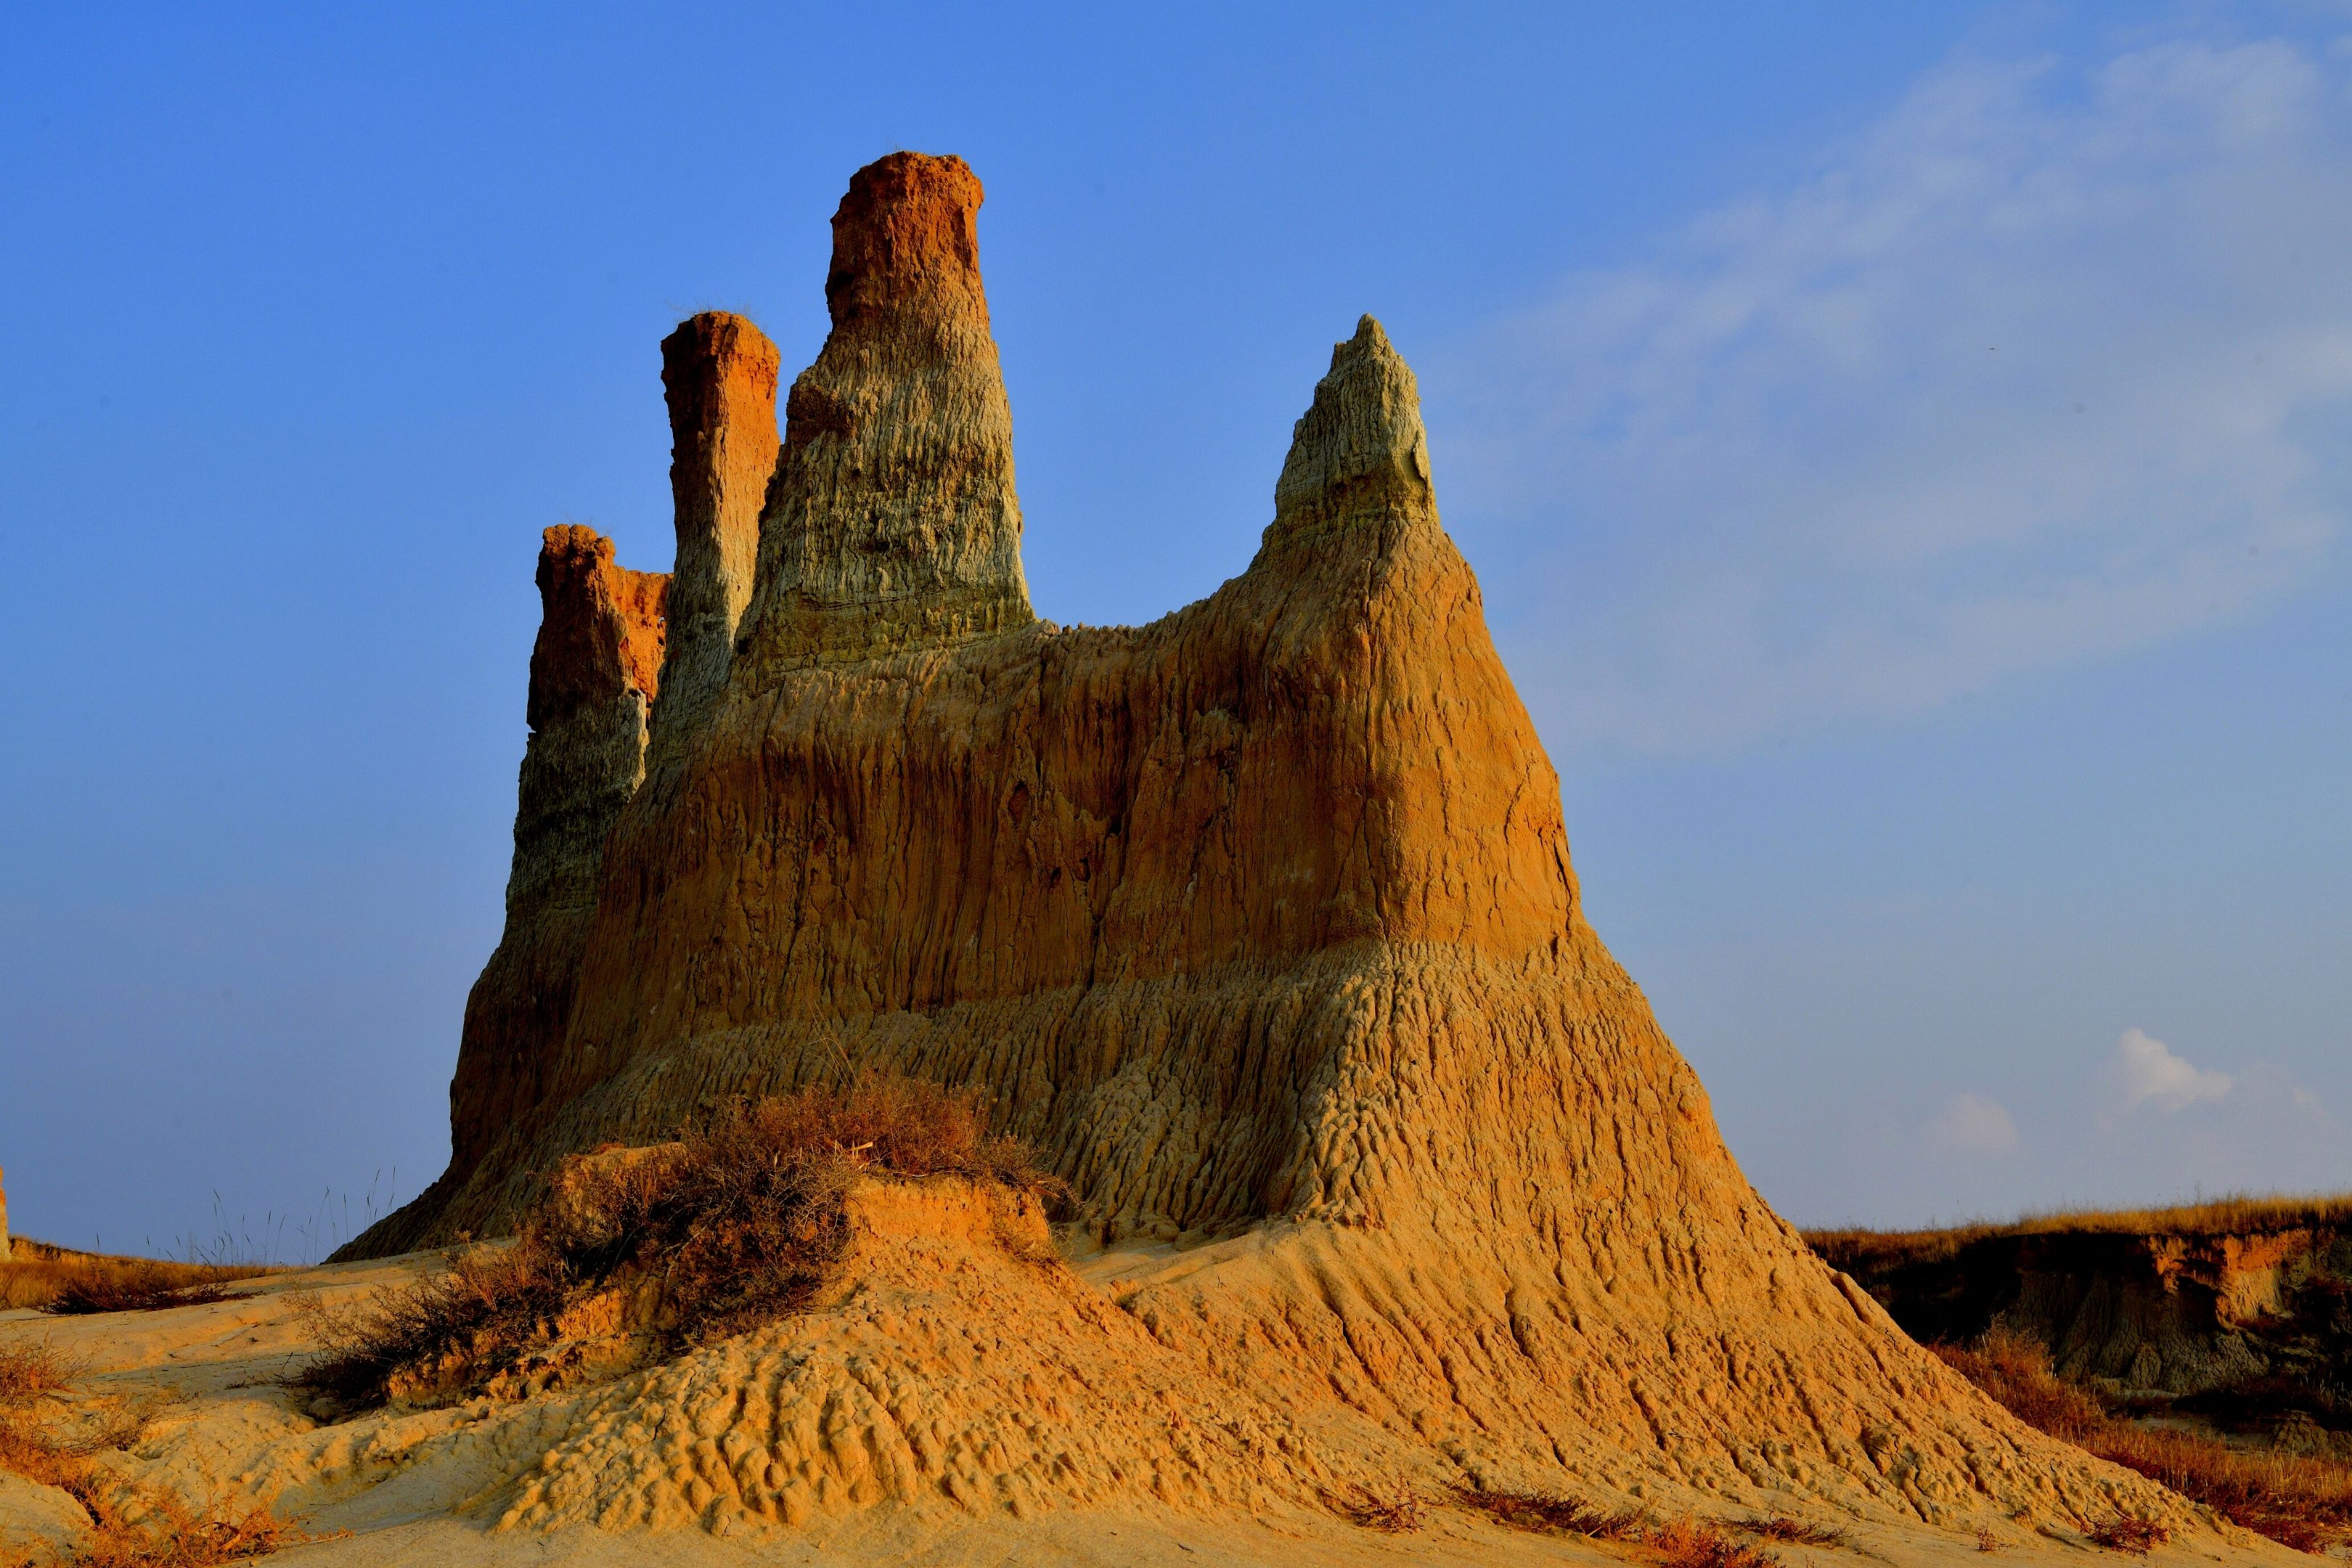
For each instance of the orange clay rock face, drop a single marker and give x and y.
(1258, 923)
(594, 672)
(720, 373)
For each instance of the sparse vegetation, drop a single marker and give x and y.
(1687, 1542)
(28, 1372)
(131, 1527)
(1682, 1542)
(1536, 1513)
(2306, 1503)
(58, 1279)
(1362, 1506)
(1856, 1250)
(1794, 1531)
(2126, 1532)
(736, 1223)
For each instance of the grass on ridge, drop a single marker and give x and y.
(51, 1278)
(2235, 1215)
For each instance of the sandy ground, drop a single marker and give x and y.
(610, 1473)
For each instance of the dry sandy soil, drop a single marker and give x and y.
(953, 1402)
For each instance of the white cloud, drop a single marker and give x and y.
(2046, 366)
(1970, 1123)
(2145, 1071)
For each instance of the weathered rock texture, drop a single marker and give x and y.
(720, 373)
(1257, 921)
(892, 523)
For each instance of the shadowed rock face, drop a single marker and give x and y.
(1256, 921)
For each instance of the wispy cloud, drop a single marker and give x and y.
(1971, 1123)
(2145, 1072)
(2045, 366)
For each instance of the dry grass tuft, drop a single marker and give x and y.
(1536, 1513)
(28, 1372)
(732, 1225)
(130, 1527)
(1363, 1507)
(1687, 1542)
(57, 1279)
(1795, 1531)
(2241, 1215)
(1684, 1542)
(2304, 1503)
(173, 1535)
(2126, 1534)
(1988, 1541)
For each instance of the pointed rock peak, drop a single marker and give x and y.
(1360, 453)
(892, 523)
(909, 228)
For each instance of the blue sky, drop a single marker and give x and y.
(1904, 448)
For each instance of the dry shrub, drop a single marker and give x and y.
(1369, 1509)
(170, 1535)
(1687, 1542)
(454, 1330)
(1684, 1542)
(131, 1527)
(1795, 1531)
(2302, 1502)
(1564, 1516)
(1988, 1541)
(30, 1377)
(28, 1372)
(2125, 1533)
(733, 1225)
(57, 1279)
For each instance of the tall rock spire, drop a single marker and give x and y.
(718, 374)
(893, 522)
(593, 676)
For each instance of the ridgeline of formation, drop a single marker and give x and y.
(1257, 921)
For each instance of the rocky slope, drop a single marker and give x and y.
(1258, 921)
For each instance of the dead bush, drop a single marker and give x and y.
(28, 1372)
(2126, 1532)
(1687, 1542)
(1684, 1542)
(1536, 1513)
(736, 1223)
(1795, 1531)
(1369, 1509)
